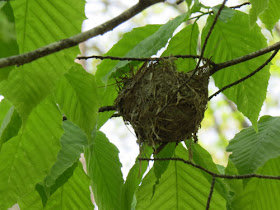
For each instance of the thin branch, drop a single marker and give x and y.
(225, 176)
(211, 192)
(246, 77)
(143, 58)
(211, 12)
(75, 40)
(242, 59)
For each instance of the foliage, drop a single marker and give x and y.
(39, 151)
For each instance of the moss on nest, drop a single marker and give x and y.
(150, 101)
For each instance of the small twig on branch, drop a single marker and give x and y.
(144, 58)
(211, 192)
(246, 77)
(107, 109)
(75, 40)
(242, 59)
(225, 176)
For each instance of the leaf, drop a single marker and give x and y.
(261, 193)
(181, 187)
(26, 158)
(133, 180)
(227, 42)
(151, 44)
(10, 126)
(8, 43)
(104, 169)
(251, 150)
(77, 97)
(72, 142)
(161, 166)
(258, 6)
(5, 106)
(225, 15)
(271, 15)
(39, 23)
(184, 43)
(123, 47)
(203, 158)
(74, 194)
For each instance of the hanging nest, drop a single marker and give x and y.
(160, 113)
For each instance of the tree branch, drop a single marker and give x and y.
(211, 192)
(75, 40)
(246, 77)
(225, 176)
(241, 59)
(143, 58)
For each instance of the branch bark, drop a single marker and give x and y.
(244, 58)
(75, 40)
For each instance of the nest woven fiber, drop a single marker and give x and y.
(150, 101)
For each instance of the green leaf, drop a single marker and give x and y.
(184, 43)
(39, 23)
(203, 158)
(8, 43)
(251, 150)
(5, 106)
(227, 42)
(77, 97)
(74, 194)
(181, 187)
(151, 44)
(72, 142)
(26, 159)
(261, 193)
(133, 180)
(258, 6)
(104, 169)
(10, 126)
(161, 166)
(225, 15)
(271, 15)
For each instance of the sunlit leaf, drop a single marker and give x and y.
(104, 170)
(181, 187)
(184, 43)
(271, 15)
(227, 42)
(77, 97)
(26, 158)
(258, 6)
(133, 180)
(39, 23)
(10, 126)
(72, 142)
(74, 194)
(261, 193)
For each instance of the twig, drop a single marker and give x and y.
(75, 40)
(225, 176)
(211, 192)
(107, 109)
(143, 58)
(244, 58)
(211, 12)
(246, 77)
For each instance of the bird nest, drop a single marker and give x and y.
(160, 105)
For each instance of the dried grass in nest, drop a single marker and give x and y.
(149, 102)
